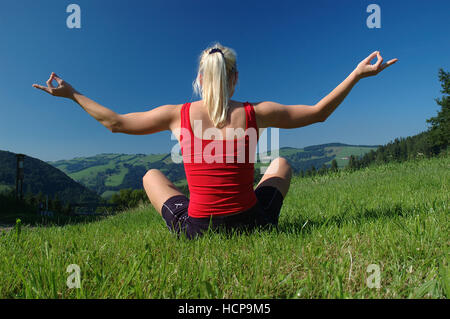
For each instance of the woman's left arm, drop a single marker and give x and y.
(365, 68)
(271, 114)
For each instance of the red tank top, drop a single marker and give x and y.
(219, 172)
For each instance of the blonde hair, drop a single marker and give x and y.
(216, 69)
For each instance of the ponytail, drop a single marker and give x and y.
(217, 64)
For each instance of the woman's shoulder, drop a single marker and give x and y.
(237, 104)
(260, 103)
(262, 107)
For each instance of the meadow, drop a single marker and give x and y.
(332, 227)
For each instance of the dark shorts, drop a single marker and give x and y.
(264, 213)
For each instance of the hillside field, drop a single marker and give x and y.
(332, 228)
(106, 174)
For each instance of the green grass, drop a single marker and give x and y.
(93, 170)
(117, 179)
(331, 229)
(5, 188)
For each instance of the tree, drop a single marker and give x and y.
(30, 199)
(323, 169)
(122, 198)
(381, 157)
(40, 200)
(334, 166)
(138, 197)
(351, 163)
(440, 124)
(129, 198)
(56, 204)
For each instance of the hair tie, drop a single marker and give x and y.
(215, 50)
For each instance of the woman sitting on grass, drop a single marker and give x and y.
(219, 171)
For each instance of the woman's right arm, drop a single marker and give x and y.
(139, 123)
(272, 114)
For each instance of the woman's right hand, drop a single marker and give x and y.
(63, 89)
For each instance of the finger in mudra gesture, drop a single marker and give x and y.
(63, 89)
(365, 68)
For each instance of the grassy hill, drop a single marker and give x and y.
(332, 227)
(42, 177)
(108, 173)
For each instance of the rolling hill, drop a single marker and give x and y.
(108, 173)
(42, 177)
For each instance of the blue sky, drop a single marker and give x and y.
(136, 55)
